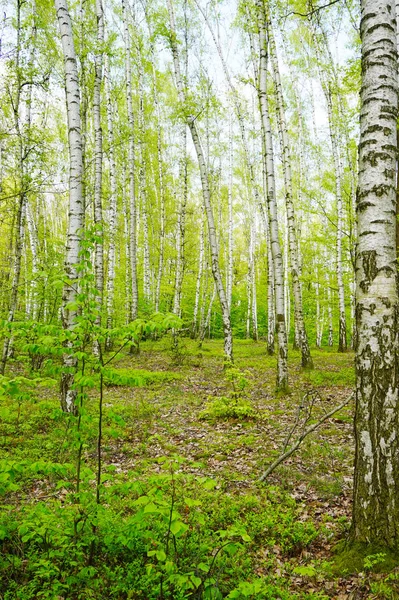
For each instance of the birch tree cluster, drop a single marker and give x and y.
(210, 147)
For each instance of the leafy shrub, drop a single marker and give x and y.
(234, 406)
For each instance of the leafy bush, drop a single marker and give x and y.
(234, 406)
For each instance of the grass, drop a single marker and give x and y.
(156, 446)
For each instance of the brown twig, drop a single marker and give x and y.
(304, 434)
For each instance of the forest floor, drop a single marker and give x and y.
(182, 511)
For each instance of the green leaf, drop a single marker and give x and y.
(161, 556)
(196, 580)
(304, 571)
(151, 508)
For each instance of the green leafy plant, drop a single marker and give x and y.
(236, 404)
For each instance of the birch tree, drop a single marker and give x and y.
(76, 209)
(289, 205)
(213, 243)
(133, 288)
(112, 199)
(98, 159)
(282, 365)
(22, 133)
(376, 481)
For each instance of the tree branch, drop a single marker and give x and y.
(311, 12)
(304, 434)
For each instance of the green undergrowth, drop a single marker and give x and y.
(137, 377)
(344, 377)
(167, 526)
(172, 535)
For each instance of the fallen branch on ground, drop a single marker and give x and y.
(303, 435)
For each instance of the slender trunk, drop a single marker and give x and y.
(161, 257)
(34, 245)
(199, 276)
(142, 185)
(249, 303)
(230, 250)
(291, 219)
(21, 206)
(181, 223)
(228, 338)
(342, 343)
(336, 154)
(112, 201)
(329, 311)
(282, 366)
(126, 231)
(319, 324)
(132, 190)
(254, 311)
(98, 164)
(76, 209)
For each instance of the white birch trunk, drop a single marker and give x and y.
(181, 223)
(199, 277)
(76, 208)
(21, 207)
(230, 248)
(292, 242)
(142, 185)
(282, 365)
(376, 481)
(34, 245)
(98, 166)
(112, 200)
(132, 190)
(254, 311)
(228, 337)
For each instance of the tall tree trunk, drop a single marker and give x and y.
(76, 208)
(199, 276)
(254, 311)
(112, 200)
(162, 216)
(282, 364)
(98, 163)
(336, 154)
(342, 343)
(142, 183)
(216, 272)
(230, 248)
(376, 481)
(181, 222)
(21, 206)
(132, 187)
(289, 205)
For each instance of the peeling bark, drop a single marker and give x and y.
(376, 481)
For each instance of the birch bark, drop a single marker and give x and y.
(76, 208)
(190, 120)
(199, 276)
(282, 365)
(289, 205)
(181, 222)
(132, 188)
(142, 182)
(112, 200)
(376, 481)
(98, 163)
(21, 207)
(337, 160)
